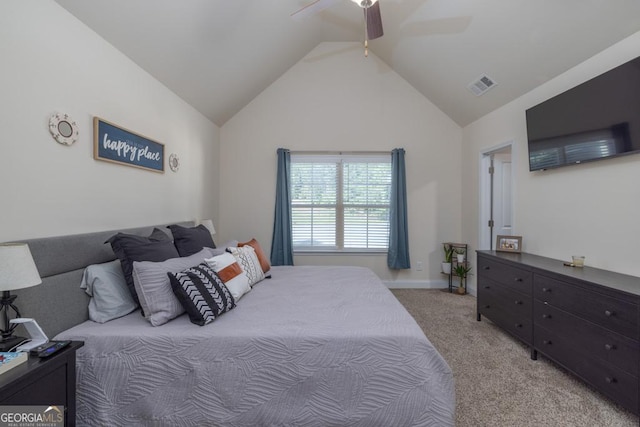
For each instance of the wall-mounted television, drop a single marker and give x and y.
(596, 120)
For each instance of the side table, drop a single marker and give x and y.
(50, 381)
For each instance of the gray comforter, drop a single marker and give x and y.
(313, 346)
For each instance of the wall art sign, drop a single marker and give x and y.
(112, 143)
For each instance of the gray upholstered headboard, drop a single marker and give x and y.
(59, 303)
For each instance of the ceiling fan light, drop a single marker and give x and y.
(365, 3)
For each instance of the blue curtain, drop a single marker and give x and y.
(398, 256)
(281, 242)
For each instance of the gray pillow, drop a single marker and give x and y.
(153, 287)
(107, 287)
(129, 248)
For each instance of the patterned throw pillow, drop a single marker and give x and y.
(230, 272)
(264, 261)
(248, 260)
(202, 294)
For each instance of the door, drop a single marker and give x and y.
(502, 205)
(496, 195)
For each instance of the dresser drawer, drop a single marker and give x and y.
(50, 389)
(614, 314)
(516, 303)
(514, 277)
(592, 339)
(608, 379)
(517, 322)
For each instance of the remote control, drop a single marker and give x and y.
(48, 349)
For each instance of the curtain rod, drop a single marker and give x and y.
(339, 152)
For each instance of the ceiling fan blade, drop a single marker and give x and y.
(313, 8)
(374, 21)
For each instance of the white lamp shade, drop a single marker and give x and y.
(209, 224)
(17, 268)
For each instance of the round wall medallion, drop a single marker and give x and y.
(174, 162)
(63, 129)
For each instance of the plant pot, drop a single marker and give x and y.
(461, 290)
(460, 258)
(446, 268)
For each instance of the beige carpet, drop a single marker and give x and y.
(497, 384)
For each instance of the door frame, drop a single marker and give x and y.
(484, 191)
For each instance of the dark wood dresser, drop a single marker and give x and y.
(584, 319)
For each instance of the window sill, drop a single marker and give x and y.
(341, 252)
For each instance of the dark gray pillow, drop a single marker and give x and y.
(129, 248)
(191, 240)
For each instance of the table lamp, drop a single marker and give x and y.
(17, 271)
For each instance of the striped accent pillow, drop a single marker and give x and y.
(202, 294)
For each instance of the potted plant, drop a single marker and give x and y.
(460, 253)
(448, 256)
(462, 270)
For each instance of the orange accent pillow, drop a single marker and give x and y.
(264, 261)
(229, 272)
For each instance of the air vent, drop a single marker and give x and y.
(481, 85)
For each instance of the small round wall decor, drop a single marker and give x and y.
(63, 128)
(174, 162)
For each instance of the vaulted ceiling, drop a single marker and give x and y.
(218, 55)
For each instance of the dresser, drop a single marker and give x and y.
(584, 319)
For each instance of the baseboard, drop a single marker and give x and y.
(416, 284)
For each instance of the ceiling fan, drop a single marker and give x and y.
(372, 17)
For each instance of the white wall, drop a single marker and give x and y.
(589, 209)
(336, 99)
(51, 62)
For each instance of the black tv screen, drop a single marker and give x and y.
(596, 120)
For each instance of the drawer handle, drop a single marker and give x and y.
(611, 380)
(609, 347)
(487, 287)
(518, 302)
(518, 279)
(546, 290)
(487, 306)
(546, 342)
(518, 325)
(546, 316)
(609, 313)
(486, 267)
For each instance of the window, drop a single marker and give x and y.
(340, 202)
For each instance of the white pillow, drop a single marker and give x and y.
(248, 259)
(110, 296)
(230, 273)
(153, 287)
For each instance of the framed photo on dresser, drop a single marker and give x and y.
(509, 244)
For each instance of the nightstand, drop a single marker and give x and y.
(50, 381)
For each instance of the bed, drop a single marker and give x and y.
(312, 346)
